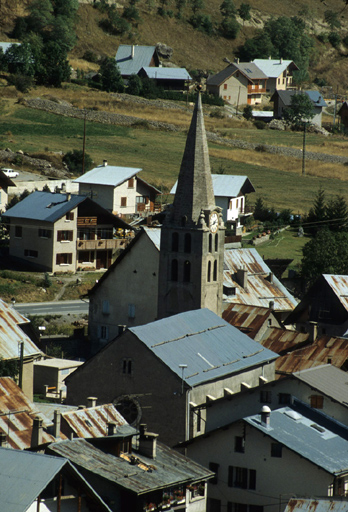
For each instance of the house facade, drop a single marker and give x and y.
(119, 190)
(63, 233)
(282, 101)
(168, 78)
(279, 73)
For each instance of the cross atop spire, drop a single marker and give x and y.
(195, 187)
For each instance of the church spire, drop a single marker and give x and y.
(195, 187)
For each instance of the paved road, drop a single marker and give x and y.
(62, 307)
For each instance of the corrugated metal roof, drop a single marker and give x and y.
(323, 350)
(154, 234)
(336, 504)
(61, 364)
(248, 319)
(314, 96)
(167, 73)
(327, 379)
(108, 175)
(129, 65)
(44, 206)
(17, 413)
(339, 285)
(283, 340)
(23, 476)
(273, 67)
(227, 185)
(11, 334)
(314, 440)
(260, 291)
(209, 346)
(93, 421)
(167, 469)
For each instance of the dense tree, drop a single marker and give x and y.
(66, 8)
(111, 79)
(229, 27)
(244, 11)
(74, 161)
(197, 5)
(337, 214)
(227, 8)
(317, 213)
(41, 15)
(63, 33)
(134, 85)
(248, 112)
(300, 110)
(332, 19)
(180, 5)
(20, 59)
(55, 67)
(326, 253)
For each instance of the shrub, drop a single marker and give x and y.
(260, 125)
(334, 39)
(90, 56)
(22, 83)
(248, 112)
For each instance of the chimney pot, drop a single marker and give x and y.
(265, 416)
(36, 435)
(111, 428)
(105, 163)
(92, 401)
(271, 305)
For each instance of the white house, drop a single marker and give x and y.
(118, 189)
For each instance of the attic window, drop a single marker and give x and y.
(318, 428)
(229, 291)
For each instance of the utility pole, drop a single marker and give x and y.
(304, 149)
(84, 144)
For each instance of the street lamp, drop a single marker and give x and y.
(182, 366)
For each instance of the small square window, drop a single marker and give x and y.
(123, 202)
(266, 397)
(239, 444)
(276, 450)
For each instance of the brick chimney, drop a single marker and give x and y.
(36, 434)
(147, 442)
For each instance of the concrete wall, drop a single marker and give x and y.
(65, 247)
(68, 185)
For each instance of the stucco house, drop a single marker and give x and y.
(279, 73)
(230, 195)
(262, 459)
(130, 58)
(119, 190)
(240, 83)
(63, 232)
(49, 375)
(154, 373)
(282, 101)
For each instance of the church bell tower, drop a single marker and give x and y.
(193, 233)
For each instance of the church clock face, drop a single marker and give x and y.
(213, 222)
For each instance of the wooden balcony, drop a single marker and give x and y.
(99, 245)
(256, 89)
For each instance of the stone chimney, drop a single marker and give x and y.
(3, 440)
(36, 435)
(313, 331)
(111, 428)
(242, 278)
(92, 401)
(56, 423)
(266, 416)
(147, 442)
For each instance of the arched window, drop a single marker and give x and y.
(187, 271)
(174, 270)
(216, 242)
(208, 271)
(210, 242)
(187, 245)
(175, 242)
(215, 271)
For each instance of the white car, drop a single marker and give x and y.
(10, 173)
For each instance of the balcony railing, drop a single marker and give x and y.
(91, 245)
(256, 89)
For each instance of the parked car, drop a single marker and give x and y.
(10, 173)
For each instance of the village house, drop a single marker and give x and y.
(131, 58)
(262, 459)
(230, 195)
(63, 233)
(34, 482)
(49, 375)
(282, 101)
(196, 356)
(252, 320)
(279, 72)
(168, 78)
(119, 190)
(137, 473)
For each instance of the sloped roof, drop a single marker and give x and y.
(327, 379)
(108, 175)
(248, 69)
(331, 504)
(273, 67)
(44, 206)
(227, 185)
(167, 73)
(56, 362)
(154, 235)
(248, 319)
(315, 440)
(339, 285)
(93, 421)
(315, 97)
(209, 346)
(11, 334)
(282, 341)
(142, 58)
(17, 416)
(260, 291)
(251, 70)
(168, 469)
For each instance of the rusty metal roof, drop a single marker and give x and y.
(11, 334)
(17, 413)
(323, 350)
(93, 421)
(282, 341)
(169, 468)
(260, 290)
(339, 285)
(337, 504)
(249, 319)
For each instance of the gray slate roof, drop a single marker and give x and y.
(167, 73)
(44, 206)
(169, 467)
(227, 185)
(131, 66)
(248, 69)
(314, 96)
(328, 380)
(209, 346)
(309, 439)
(108, 175)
